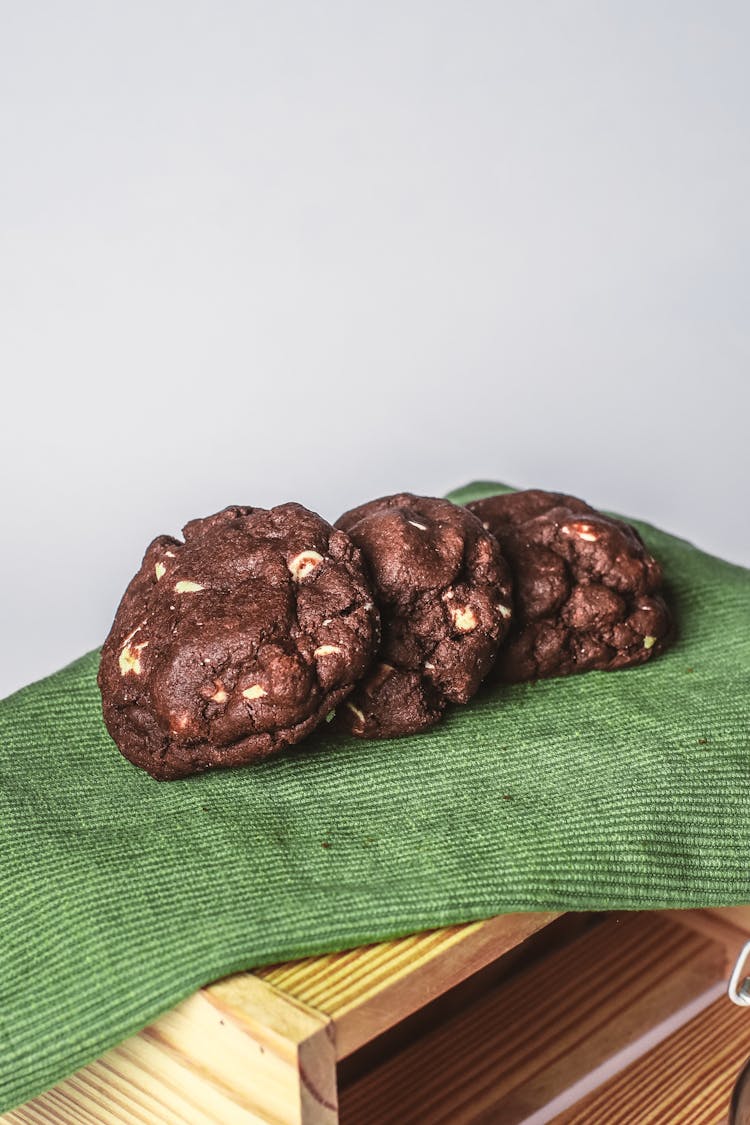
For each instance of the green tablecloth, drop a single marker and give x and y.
(121, 895)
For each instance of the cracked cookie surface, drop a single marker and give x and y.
(443, 590)
(587, 591)
(236, 642)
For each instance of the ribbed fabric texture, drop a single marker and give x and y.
(122, 895)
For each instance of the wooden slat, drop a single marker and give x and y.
(529, 1039)
(687, 1079)
(260, 1009)
(262, 1047)
(367, 990)
(737, 915)
(727, 926)
(235, 1054)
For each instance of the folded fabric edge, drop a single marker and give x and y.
(354, 939)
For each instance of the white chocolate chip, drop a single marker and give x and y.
(178, 722)
(169, 554)
(130, 658)
(130, 655)
(355, 711)
(303, 563)
(429, 667)
(160, 570)
(447, 595)
(220, 695)
(583, 530)
(414, 523)
(504, 611)
(464, 619)
(328, 621)
(486, 526)
(368, 606)
(649, 642)
(184, 586)
(326, 650)
(254, 692)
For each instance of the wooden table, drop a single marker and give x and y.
(529, 1018)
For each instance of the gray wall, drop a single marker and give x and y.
(322, 251)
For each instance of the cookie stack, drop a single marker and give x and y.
(260, 624)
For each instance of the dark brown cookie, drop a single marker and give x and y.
(237, 642)
(586, 589)
(443, 591)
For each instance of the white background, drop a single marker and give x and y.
(252, 252)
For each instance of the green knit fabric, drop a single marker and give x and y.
(122, 895)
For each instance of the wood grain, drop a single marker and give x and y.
(686, 1080)
(534, 1036)
(366, 990)
(207, 1062)
(262, 1047)
(738, 916)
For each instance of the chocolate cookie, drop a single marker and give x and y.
(237, 642)
(586, 589)
(443, 591)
